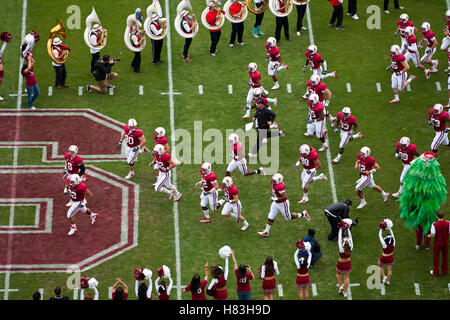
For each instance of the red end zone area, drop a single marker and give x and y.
(45, 245)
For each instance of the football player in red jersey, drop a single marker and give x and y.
(135, 141)
(210, 191)
(232, 202)
(446, 40)
(429, 39)
(238, 158)
(73, 165)
(80, 194)
(317, 114)
(254, 82)
(165, 163)
(402, 23)
(367, 166)
(274, 59)
(400, 67)
(314, 85)
(413, 51)
(405, 151)
(448, 80)
(437, 118)
(348, 125)
(309, 158)
(280, 203)
(315, 59)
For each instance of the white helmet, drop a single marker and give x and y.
(73, 149)
(447, 14)
(404, 141)
(252, 67)
(365, 151)
(233, 138)
(425, 27)
(404, 17)
(132, 124)
(277, 178)
(346, 110)
(312, 49)
(74, 180)
(315, 79)
(206, 167)
(409, 31)
(227, 181)
(160, 132)
(158, 149)
(304, 149)
(257, 92)
(437, 109)
(314, 98)
(395, 49)
(271, 41)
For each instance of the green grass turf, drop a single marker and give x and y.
(358, 54)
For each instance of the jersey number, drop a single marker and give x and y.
(69, 166)
(130, 140)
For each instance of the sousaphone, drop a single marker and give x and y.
(155, 7)
(133, 22)
(91, 20)
(288, 9)
(220, 19)
(244, 14)
(185, 7)
(60, 31)
(256, 10)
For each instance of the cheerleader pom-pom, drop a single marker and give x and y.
(343, 225)
(35, 35)
(93, 283)
(389, 223)
(5, 36)
(29, 39)
(382, 225)
(225, 252)
(138, 275)
(348, 221)
(300, 244)
(147, 273)
(84, 282)
(166, 271)
(307, 246)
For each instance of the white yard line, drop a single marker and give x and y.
(230, 89)
(80, 91)
(200, 89)
(349, 87)
(50, 91)
(330, 165)
(378, 87)
(172, 139)
(280, 290)
(314, 289)
(417, 289)
(289, 88)
(141, 90)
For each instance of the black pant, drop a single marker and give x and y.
(136, 63)
(237, 28)
(95, 58)
(264, 133)
(215, 37)
(258, 19)
(156, 50)
(386, 3)
(187, 44)
(301, 9)
(338, 13)
(351, 7)
(60, 75)
(334, 221)
(281, 22)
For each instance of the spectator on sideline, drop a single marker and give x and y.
(119, 293)
(267, 273)
(243, 277)
(37, 296)
(351, 10)
(301, 9)
(338, 14)
(196, 287)
(30, 82)
(258, 20)
(315, 247)
(58, 295)
(103, 75)
(396, 5)
(440, 231)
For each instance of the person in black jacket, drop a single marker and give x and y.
(58, 295)
(315, 247)
(335, 213)
(103, 75)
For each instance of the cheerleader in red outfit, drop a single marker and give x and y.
(161, 287)
(344, 265)
(217, 287)
(302, 258)
(5, 37)
(388, 244)
(267, 273)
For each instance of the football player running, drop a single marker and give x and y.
(210, 191)
(315, 60)
(73, 165)
(135, 141)
(405, 151)
(274, 59)
(79, 194)
(165, 163)
(254, 82)
(367, 166)
(400, 67)
(238, 158)
(280, 203)
(232, 207)
(309, 158)
(430, 41)
(402, 23)
(316, 112)
(413, 51)
(348, 125)
(438, 118)
(314, 85)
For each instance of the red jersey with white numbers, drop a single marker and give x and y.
(208, 180)
(406, 154)
(238, 151)
(402, 26)
(314, 60)
(428, 37)
(365, 164)
(318, 89)
(132, 137)
(438, 121)
(308, 161)
(77, 192)
(163, 161)
(346, 123)
(160, 140)
(278, 190)
(397, 62)
(73, 164)
(231, 191)
(273, 52)
(316, 112)
(254, 78)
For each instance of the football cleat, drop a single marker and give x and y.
(435, 65)
(303, 201)
(360, 134)
(394, 101)
(261, 171)
(323, 148)
(282, 134)
(385, 197)
(323, 176)
(287, 67)
(335, 160)
(205, 220)
(306, 215)
(172, 193)
(276, 102)
(178, 197)
(245, 116)
(361, 205)
(263, 234)
(275, 87)
(335, 74)
(427, 73)
(306, 134)
(72, 230)
(244, 227)
(94, 217)
(130, 175)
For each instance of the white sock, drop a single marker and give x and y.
(400, 189)
(74, 225)
(338, 156)
(165, 190)
(319, 177)
(206, 213)
(396, 97)
(245, 223)
(267, 228)
(305, 195)
(271, 100)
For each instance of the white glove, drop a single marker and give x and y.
(66, 191)
(397, 155)
(84, 202)
(326, 103)
(336, 130)
(274, 198)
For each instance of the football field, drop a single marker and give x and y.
(199, 104)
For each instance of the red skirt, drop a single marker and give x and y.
(302, 281)
(344, 267)
(1, 75)
(268, 285)
(221, 295)
(386, 261)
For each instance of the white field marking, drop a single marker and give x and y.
(289, 88)
(330, 165)
(378, 87)
(12, 202)
(417, 289)
(382, 289)
(349, 290)
(15, 95)
(170, 93)
(111, 91)
(408, 87)
(80, 91)
(200, 89)
(449, 287)
(230, 89)
(280, 290)
(448, 4)
(110, 293)
(349, 87)
(172, 139)
(141, 90)
(50, 91)
(314, 289)
(438, 86)
(41, 291)
(7, 290)
(75, 294)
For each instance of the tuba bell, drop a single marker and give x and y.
(155, 8)
(256, 9)
(300, 2)
(273, 6)
(133, 29)
(244, 12)
(91, 21)
(184, 8)
(220, 19)
(61, 31)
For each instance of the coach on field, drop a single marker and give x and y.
(335, 213)
(103, 74)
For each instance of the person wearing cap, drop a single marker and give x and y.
(237, 28)
(211, 18)
(315, 247)
(137, 38)
(156, 29)
(335, 213)
(60, 51)
(95, 39)
(188, 24)
(103, 75)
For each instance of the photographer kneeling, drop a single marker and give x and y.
(103, 74)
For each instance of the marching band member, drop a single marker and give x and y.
(188, 26)
(281, 22)
(137, 37)
(211, 17)
(60, 50)
(156, 29)
(258, 20)
(95, 38)
(236, 9)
